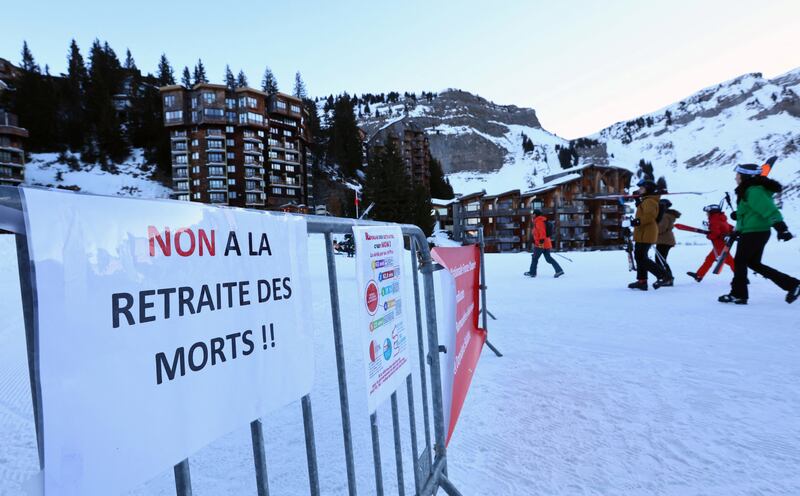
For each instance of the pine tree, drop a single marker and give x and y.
(75, 93)
(165, 76)
(344, 145)
(269, 84)
(241, 80)
(387, 185)
(299, 86)
(440, 187)
(367, 109)
(186, 77)
(200, 73)
(130, 64)
(106, 142)
(230, 79)
(28, 62)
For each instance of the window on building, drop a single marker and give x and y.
(182, 185)
(195, 143)
(196, 196)
(231, 155)
(295, 109)
(273, 154)
(230, 102)
(216, 184)
(261, 134)
(173, 115)
(290, 168)
(216, 171)
(229, 129)
(232, 195)
(281, 105)
(209, 97)
(217, 197)
(216, 157)
(231, 182)
(231, 168)
(195, 155)
(169, 100)
(196, 169)
(182, 197)
(215, 113)
(277, 191)
(214, 144)
(249, 159)
(178, 159)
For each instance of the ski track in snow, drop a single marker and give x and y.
(602, 391)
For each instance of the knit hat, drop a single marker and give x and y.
(712, 208)
(748, 169)
(648, 184)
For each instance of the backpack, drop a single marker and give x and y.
(549, 228)
(662, 208)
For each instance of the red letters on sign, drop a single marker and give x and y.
(185, 241)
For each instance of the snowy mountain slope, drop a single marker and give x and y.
(134, 177)
(478, 142)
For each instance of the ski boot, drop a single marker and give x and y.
(729, 298)
(792, 295)
(694, 276)
(642, 285)
(528, 274)
(668, 283)
(559, 274)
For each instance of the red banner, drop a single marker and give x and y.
(463, 263)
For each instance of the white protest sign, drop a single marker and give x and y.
(379, 278)
(161, 327)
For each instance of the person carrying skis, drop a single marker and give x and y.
(755, 214)
(542, 244)
(666, 238)
(645, 235)
(718, 229)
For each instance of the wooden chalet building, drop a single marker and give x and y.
(581, 224)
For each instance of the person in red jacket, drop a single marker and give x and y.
(542, 244)
(718, 228)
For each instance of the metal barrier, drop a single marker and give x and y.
(429, 468)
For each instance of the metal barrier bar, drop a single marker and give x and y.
(413, 428)
(398, 448)
(376, 454)
(311, 446)
(183, 479)
(259, 458)
(344, 403)
(421, 348)
(433, 355)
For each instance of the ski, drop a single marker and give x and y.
(626, 232)
(684, 227)
(768, 165)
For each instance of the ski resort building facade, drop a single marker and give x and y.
(239, 147)
(580, 223)
(12, 151)
(411, 142)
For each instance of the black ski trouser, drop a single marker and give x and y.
(749, 251)
(661, 259)
(538, 252)
(644, 264)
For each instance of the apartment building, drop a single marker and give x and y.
(581, 223)
(238, 147)
(412, 143)
(12, 154)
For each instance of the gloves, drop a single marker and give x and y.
(636, 222)
(733, 215)
(540, 243)
(783, 231)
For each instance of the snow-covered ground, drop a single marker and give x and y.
(133, 177)
(602, 391)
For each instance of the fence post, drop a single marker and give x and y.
(484, 310)
(423, 376)
(344, 403)
(398, 448)
(259, 457)
(413, 427)
(376, 453)
(183, 480)
(311, 446)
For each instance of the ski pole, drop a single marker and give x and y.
(562, 256)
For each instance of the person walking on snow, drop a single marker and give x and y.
(755, 214)
(542, 244)
(718, 228)
(666, 238)
(645, 235)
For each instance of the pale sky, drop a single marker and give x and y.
(582, 65)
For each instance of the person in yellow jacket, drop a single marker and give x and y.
(645, 235)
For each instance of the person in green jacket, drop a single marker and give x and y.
(755, 215)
